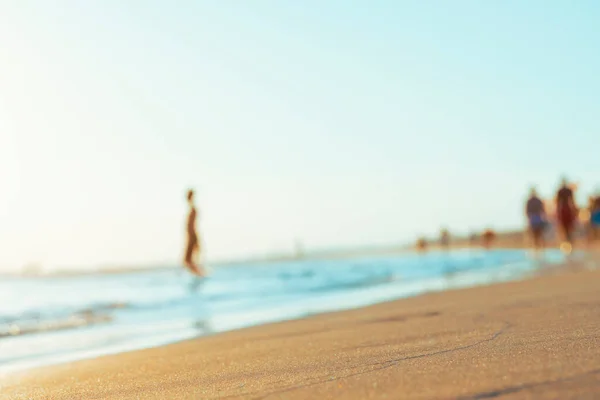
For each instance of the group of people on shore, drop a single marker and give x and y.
(564, 213)
(560, 214)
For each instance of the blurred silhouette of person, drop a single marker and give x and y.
(473, 239)
(595, 217)
(488, 238)
(422, 244)
(536, 218)
(192, 251)
(445, 239)
(566, 211)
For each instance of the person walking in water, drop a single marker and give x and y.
(192, 251)
(536, 218)
(566, 211)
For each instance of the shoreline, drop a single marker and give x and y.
(503, 243)
(102, 314)
(489, 325)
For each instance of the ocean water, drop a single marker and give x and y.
(59, 319)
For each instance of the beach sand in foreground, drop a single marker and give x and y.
(538, 338)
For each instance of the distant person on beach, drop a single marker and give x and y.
(473, 238)
(566, 211)
(445, 239)
(594, 218)
(192, 251)
(488, 238)
(422, 244)
(536, 218)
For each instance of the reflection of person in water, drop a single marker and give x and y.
(192, 251)
(536, 217)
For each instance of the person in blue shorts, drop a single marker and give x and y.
(595, 218)
(536, 218)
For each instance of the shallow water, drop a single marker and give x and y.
(58, 319)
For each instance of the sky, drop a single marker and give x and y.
(337, 123)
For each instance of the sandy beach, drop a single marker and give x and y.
(538, 338)
(273, 200)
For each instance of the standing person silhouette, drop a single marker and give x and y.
(192, 251)
(595, 217)
(566, 210)
(445, 239)
(536, 217)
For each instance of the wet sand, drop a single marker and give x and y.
(538, 338)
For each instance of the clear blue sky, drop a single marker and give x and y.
(338, 122)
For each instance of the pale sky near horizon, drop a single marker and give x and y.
(340, 123)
